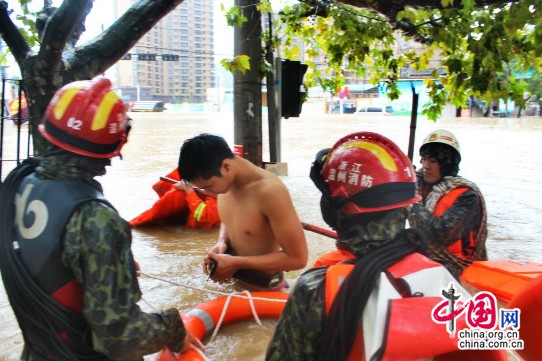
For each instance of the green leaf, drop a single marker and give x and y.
(239, 63)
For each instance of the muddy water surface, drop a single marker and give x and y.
(501, 155)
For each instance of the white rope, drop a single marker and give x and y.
(220, 319)
(250, 297)
(200, 351)
(253, 308)
(148, 304)
(225, 309)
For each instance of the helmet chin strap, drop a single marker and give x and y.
(381, 195)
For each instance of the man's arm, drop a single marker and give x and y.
(463, 216)
(298, 333)
(97, 248)
(278, 207)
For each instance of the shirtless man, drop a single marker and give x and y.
(261, 235)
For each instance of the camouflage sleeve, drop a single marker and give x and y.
(97, 247)
(299, 328)
(462, 217)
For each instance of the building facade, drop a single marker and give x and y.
(173, 62)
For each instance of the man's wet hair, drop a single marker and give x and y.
(201, 156)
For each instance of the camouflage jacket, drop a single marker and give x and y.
(467, 214)
(299, 330)
(97, 248)
(298, 333)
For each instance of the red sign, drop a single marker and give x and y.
(239, 150)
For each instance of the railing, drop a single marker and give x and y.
(12, 151)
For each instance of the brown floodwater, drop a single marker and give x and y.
(501, 155)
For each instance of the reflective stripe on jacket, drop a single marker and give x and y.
(203, 213)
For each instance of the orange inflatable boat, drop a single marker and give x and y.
(502, 278)
(202, 319)
(518, 285)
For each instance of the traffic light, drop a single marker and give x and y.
(170, 57)
(291, 95)
(148, 57)
(127, 56)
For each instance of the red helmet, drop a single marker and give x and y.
(88, 118)
(367, 172)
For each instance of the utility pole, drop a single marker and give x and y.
(273, 111)
(247, 88)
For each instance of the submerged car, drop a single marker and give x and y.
(375, 109)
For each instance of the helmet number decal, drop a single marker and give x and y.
(23, 207)
(74, 123)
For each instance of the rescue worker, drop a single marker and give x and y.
(348, 307)
(65, 254)
(452, 213)
(180, 203)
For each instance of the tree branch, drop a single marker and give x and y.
(12, 36)
(61, 29)
(390, 8)
(108, 47)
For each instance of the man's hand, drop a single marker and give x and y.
(224, 268)
(184, 186)
(190, 341)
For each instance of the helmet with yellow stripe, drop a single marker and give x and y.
(88, 118)
(364, 172)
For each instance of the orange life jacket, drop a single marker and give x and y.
(203, 213)
(404, 326)
(200, 210)
(170, 206)
(161, 187)
(457, 248)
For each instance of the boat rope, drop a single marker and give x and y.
(200, 352)
(232, 294)
(225, 309)
(149, 305)
(216, 329)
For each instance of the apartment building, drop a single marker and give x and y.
(173, 62)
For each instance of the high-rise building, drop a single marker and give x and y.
(173, 62)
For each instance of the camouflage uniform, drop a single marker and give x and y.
(96, 247)
(467, 214)
(299, 330)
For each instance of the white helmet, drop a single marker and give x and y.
(442, 136)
